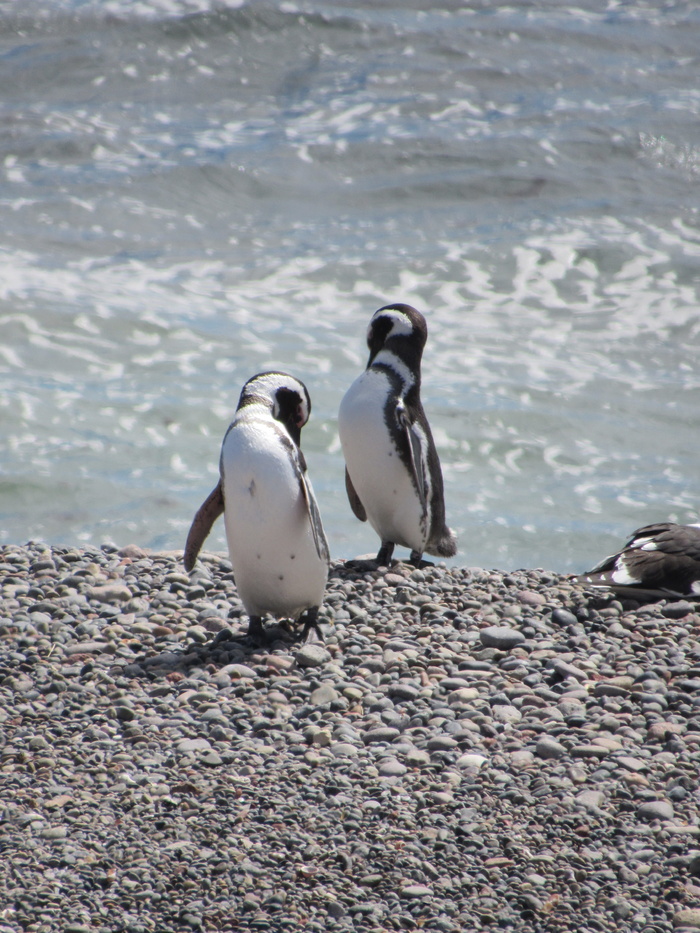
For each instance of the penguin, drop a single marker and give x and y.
(664, 558)
(392, 470)
(275, 537)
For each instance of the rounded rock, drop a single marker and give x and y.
(312, 656)
(655, 810)
(501, 636)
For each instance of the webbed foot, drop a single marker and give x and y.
(310, 620)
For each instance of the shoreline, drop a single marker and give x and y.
(468, 749)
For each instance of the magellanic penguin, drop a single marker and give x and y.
(276, 541)
(392, 471)
(658, 560)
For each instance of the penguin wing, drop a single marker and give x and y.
(207, 514)
(317, 531)
(414, 444)
(355, 501)
(307, 493)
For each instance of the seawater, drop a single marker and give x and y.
(193, 192)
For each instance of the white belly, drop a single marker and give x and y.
(380, 478)
(275, 563)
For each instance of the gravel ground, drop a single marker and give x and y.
(468, 750)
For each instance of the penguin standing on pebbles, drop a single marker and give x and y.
(392, 475)
(276, 541)
(664, 558)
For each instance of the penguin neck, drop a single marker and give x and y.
(254, 409)
(258, 410)
(409, 377)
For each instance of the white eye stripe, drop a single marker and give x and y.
(401, 325)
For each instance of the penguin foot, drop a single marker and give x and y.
(311, 626)
(256, 631)
(384, 553)
(416, 559)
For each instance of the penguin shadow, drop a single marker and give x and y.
(231, 645)
(234, 643)
(358, 565)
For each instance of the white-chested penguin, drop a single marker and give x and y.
(392, 471)
(664, 557)
(276, 541)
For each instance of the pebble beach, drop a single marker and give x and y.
(466, 750)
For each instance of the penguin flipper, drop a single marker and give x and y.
(355, 501)
(414, 445)
(312, 512)
(319, 535)
(207, 514)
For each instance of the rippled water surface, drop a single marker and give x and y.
(196, 191)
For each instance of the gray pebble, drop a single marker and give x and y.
(380, 734)
(391, 767)
(656, 810)
(324, 694)
(312, 655)
(417, 776)
(501, 636)
(549, 748)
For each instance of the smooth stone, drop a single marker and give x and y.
(402, 691)
(471, 760)
(589, 751)
(530, 598)
(462, 695)
(416, 890)
(212, 758)
(655, 810)
(441, 743)
(521, 759)
(86, 647)
(416, 757)
(110, 593)
(501, 636)
(660, 731)
(343, 750)
(324, 694)
(632, 764)
(677, 610)
(564, 669)
(688, 917)
(133, 552)
(563, 617)
(549, 748)
(238, 671)
(590, 799)
(605, 741)
(505, 713)
(193, 745)
(380, 734)
(312, 656)
(391, 767)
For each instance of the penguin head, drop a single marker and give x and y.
(400, 328)
(284, 396)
